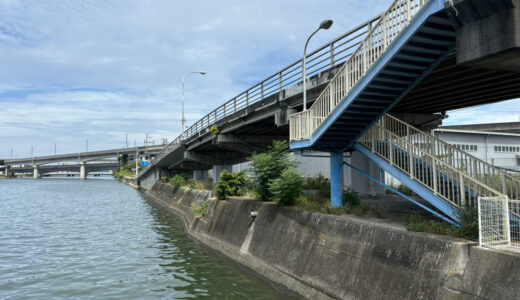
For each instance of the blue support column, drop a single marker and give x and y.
(336, 179)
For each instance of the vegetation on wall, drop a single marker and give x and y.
(185, 180)
(231, 184)
(125, 170)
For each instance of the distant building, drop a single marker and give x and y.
(497, 143)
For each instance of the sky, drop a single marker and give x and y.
(103, 70)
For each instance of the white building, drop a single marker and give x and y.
(488, 142)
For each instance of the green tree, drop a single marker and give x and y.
(269, 166)
(286, 188)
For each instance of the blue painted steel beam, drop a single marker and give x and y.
(441, 204)
(336, 179)
(403, 195)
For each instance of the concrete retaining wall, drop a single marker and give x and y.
(322, 256)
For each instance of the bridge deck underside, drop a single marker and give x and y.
(451, 86)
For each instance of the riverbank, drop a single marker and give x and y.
(321, 256)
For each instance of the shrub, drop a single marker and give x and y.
(165, 179)
(405, 190)
(287, 187)
(319, 182)
(230, 184)
(469, 222)
(350, 197)
(214, 130)
(182, 180)
(269, 166)
(200, 209)
(204, 185)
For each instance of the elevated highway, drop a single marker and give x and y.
(69, 168)
(84, 160)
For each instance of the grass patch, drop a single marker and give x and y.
(468, 229)
(184, 180)
(352, 205)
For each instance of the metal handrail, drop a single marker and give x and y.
(327, 56)
(469, 164)
(443, 179)
(388, 27)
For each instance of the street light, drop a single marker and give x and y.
(324, 25)
(183, 120)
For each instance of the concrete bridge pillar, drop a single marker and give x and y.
(82, 171)
(200, 175)
(36, 174)
(336, 179)
(219, 168)
(7, 170)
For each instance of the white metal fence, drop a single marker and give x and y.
(499, 221)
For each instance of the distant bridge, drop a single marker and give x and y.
(68, 169)
(84, 160)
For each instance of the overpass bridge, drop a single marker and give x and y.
(376, 91)
(46, 170)
(84, 160)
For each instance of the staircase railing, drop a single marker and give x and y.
(476, 168)
(391, 23)
(442, 178)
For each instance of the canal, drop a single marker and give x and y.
(97, 238)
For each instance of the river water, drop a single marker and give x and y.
(100, 239)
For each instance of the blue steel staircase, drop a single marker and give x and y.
(443, 175)
(411, 38)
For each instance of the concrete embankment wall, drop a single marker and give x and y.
(322, 256)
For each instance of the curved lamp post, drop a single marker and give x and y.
(183, 120)
(324, 25)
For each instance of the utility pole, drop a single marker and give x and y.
(87, 146)
(11, 152)
(126, 140)
(135, 143)
(32, 154)
(54, 148)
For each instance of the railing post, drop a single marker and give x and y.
(462, 190)
(408, 8)
(410, 158)
(332, 55)
(504, 186)
(434, 177)
(506, 220)
(235, 105)
(247, 100)
(390, 150)
(280, 84)
(262, 89)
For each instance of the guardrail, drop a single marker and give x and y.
(392, 22)
(325, 57)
